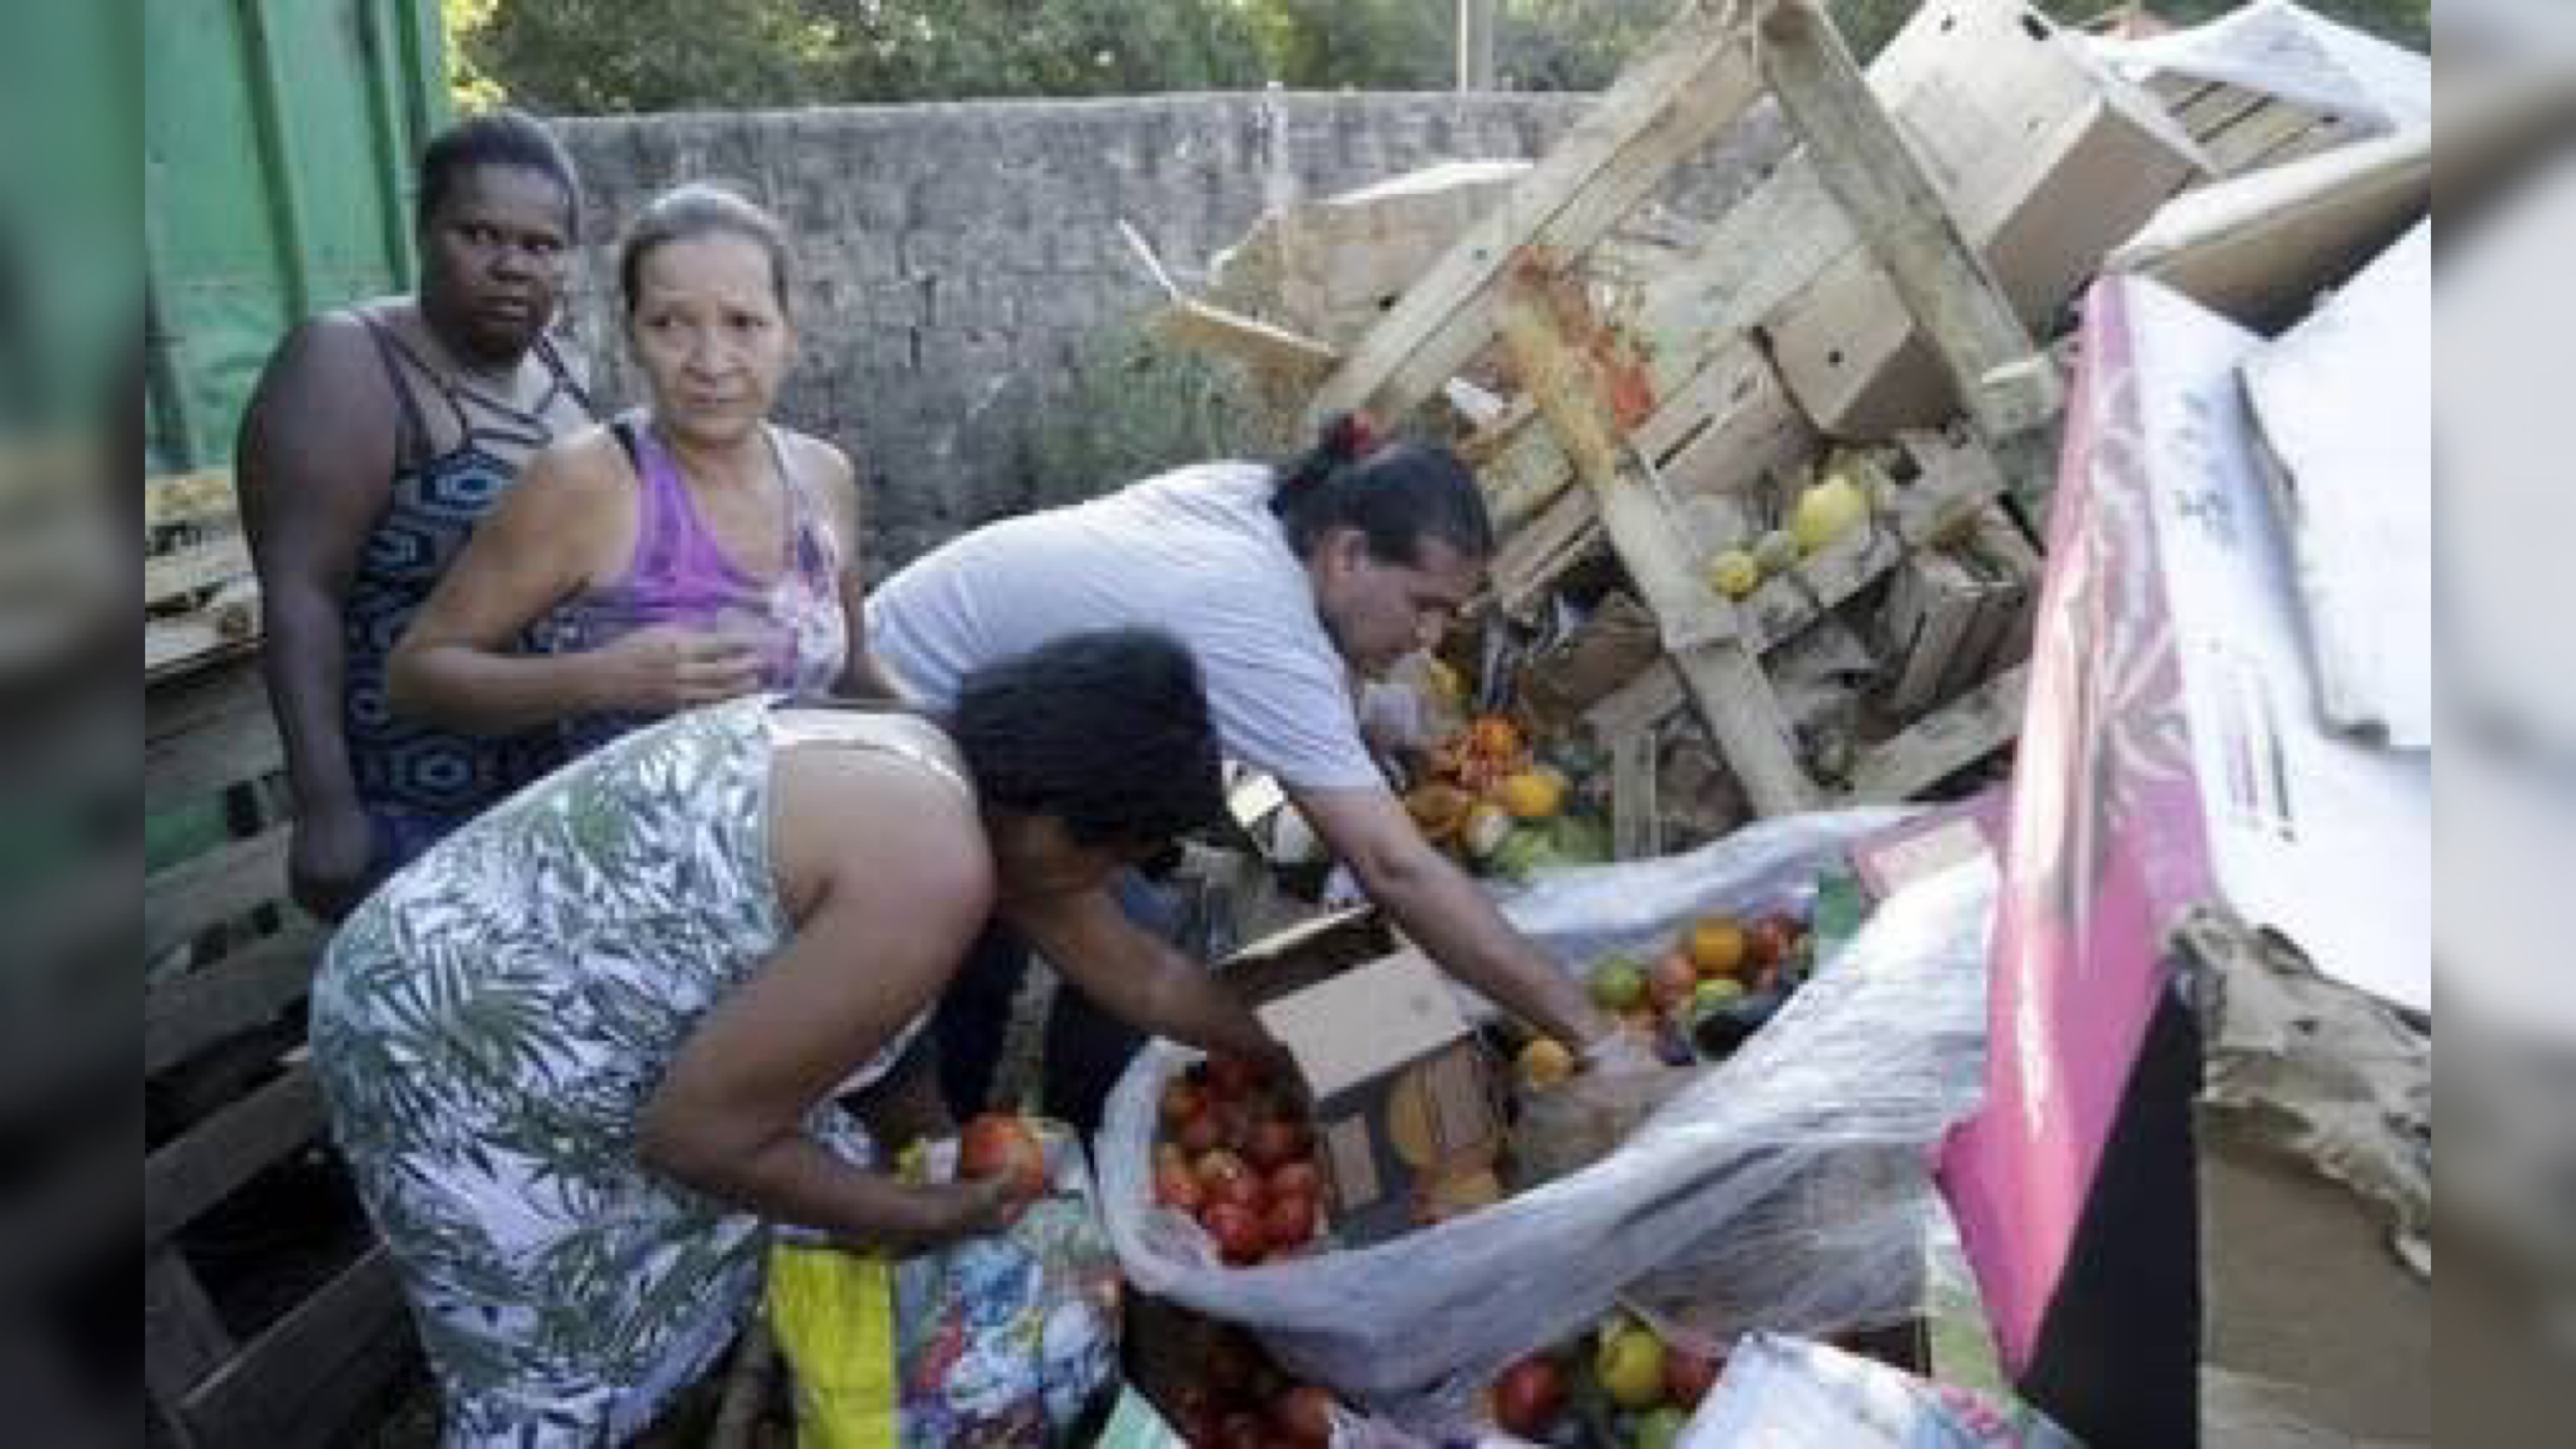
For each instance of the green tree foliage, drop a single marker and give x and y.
(594, 56)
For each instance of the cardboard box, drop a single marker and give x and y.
(2045, 159)
(2170, 765)
(1405, 1111)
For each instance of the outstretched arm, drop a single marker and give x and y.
(1455, 923)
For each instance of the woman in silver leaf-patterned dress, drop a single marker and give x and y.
(580, 1051)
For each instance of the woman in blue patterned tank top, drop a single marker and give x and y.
(379, 437)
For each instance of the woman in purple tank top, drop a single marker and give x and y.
(680, 555)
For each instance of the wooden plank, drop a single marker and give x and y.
(1700, 631)
(183, 1338)
(182, 1179)
(206, 730)
(1932, 606)
(1636, 819)
(302, 1381)
(166, 576)
(221, 885)
(1696, 78)
(1287, 355)
(1942, 744)
(225, 625)
(1945, 286)
(1531, 560)
(205, 496)
(244, 989)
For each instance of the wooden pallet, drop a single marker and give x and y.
(227, 966)
(1613, 401)
(200, 599)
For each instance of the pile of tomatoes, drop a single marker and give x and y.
(1237, 1153)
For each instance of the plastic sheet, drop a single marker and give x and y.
(1869, 1064)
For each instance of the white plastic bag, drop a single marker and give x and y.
(1870, 1062)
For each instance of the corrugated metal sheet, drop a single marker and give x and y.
(279, 141)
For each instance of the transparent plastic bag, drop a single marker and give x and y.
(1870, 1062)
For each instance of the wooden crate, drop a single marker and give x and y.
(234, 1125)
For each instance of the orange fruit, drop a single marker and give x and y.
(1716, 945)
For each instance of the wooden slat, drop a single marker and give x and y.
(226, 625)
(1636, 816)
(202, 497)
(1699, 629)
(207, 730)
(1942, 744)
(1696, 78)
(244, 989)
(1944, 284)
(184, 1178)
(1531, 560)
(1287, 355)
(166, 576)
(301, 1382)
(221, 885)
(183, 1339)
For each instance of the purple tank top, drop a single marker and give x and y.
(790, 610)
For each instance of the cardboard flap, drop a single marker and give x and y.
(1366, 1021)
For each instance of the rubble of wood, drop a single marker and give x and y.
(1768, 487)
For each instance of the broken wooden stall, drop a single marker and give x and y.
(1643, 395)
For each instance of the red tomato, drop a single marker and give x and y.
(1000, 1144)
(1237, 1230)
(1175, 1187)
(1770, 940)
(1182, 1101)
(1289, 1221)
(1244, 1191)
(1298, 1176)
(1274, 1142)
(1687, 1375)
(1232, 1078)
(1199, 1134)
(1529, 1396)
(1218, 1163)
(1305, 1414)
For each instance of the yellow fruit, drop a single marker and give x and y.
(1827, 511)
(1531, 794)
(1776, 552)
(1545, 1063)
(1439, 809)
(1734, 573)
(1715, 944)
(1630, 1367)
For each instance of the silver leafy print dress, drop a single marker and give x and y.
(487, 1029)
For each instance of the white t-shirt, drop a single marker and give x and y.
(1195, 551)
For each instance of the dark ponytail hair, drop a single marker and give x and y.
(1396, 494)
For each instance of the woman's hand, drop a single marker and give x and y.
(979, 1207)
(669, 667)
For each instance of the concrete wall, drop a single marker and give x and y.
(953, 256)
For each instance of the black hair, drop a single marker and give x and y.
(692, 210)
(1396, 495)
(1107, 730)
(503, 137)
